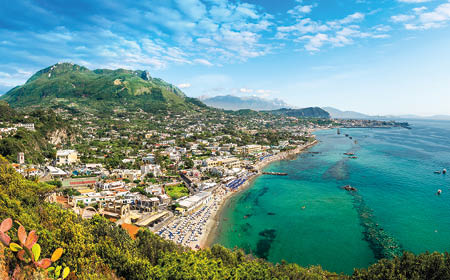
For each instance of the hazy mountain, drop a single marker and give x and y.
(338, 114)
(231, 102)
(67, 84)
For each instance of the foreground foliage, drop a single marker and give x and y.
(98, 249)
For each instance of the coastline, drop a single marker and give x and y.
(212, 226)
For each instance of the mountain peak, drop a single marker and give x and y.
(58, 69)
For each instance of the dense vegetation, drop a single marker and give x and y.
(177, 191)
(98, 249)
(102, 90)
(34, 144)
(311, 112)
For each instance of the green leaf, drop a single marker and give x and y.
(58, 271)
(65, 273)
(50, 269)
(15, 247)
(36, 251)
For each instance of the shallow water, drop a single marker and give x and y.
(307, 218)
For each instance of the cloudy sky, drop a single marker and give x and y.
(373, 56)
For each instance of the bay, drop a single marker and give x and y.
(307, 218)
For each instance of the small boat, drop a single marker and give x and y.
(353, 157)
(439, 192)
(349, 154)
(350, 188)
(350, 137)
(303, 207)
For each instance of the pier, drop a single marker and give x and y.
(275, 173)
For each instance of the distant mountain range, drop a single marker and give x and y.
(231, 102)
(338, 114)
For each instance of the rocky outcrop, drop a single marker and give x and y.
(58, 136)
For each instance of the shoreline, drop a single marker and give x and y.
(212, 226)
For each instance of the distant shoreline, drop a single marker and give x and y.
(214, 222)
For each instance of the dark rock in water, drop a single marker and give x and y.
(262, 192)
(271, 214)
(338, 171)
(265, 243)
(246, 227)
(268, 233)
(382, 244)
(263, 248)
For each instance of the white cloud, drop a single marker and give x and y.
(413, 1)
(352, 18)
(440, 14)
(419, 10)
(14, 78)
(402, 18)
(436, 18)
(300, 10)
(203, 62)
(185, 85)
(336, 33)
(246, 90)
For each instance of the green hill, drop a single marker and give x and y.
(310, 112)
(103, 90)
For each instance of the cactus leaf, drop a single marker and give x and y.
(6, 225)
(65, 273)
(22, 234)
(15, 247)
(31, 239)
(21, 255)
(57, 254)
(44, 263)
(58, 271)
(36, 250)
(4, 238)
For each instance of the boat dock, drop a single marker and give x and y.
(275, 173)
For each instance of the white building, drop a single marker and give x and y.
(66, 156)
(193, 202)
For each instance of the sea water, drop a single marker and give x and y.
(307, 218)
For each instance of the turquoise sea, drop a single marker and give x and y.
(307, 218)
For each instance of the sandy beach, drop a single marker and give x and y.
(212, 225)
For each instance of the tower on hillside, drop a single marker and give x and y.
(21, 158)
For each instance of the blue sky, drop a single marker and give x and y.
(373, 56)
